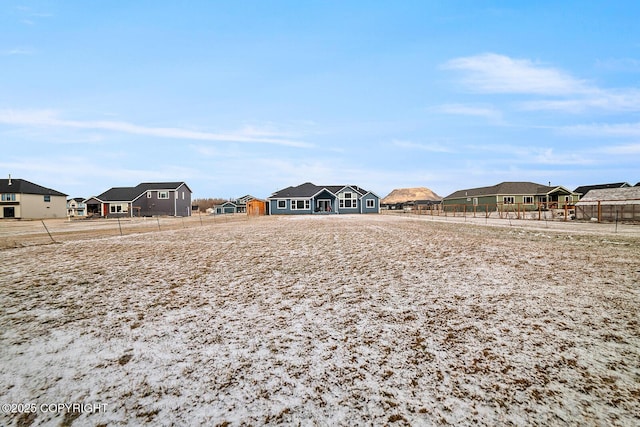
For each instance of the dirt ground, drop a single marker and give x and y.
(324, 320)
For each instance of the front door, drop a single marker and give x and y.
(9, 212)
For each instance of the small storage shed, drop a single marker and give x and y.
(256, 207)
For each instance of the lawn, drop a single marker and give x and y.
(324, 320)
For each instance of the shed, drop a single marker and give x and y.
(256, 207)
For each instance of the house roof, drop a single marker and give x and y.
(506, 188)
(309, 189)
(127, 194)
(145, 186)
(584, 189)
(626, 195)
(244, 199)
(227, 203)
(22, 186)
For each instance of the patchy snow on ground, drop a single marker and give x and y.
(324, 320)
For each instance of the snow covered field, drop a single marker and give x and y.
(324, 320)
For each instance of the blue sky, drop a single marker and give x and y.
(248, 97)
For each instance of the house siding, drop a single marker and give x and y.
(183, 206)
(172, 206)
(33, 206)
(363, 204)
(276, 210)
(154, 205)
(287, 209)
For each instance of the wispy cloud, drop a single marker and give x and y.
(624, 149)
(493, 73)
(598, 130)
(612, 100)
(619, 64)
(46, 171)
(488, 113)
(30, 16)
(48, 118)
(17, 51)
(548, 156)
(517, 154)
(431, 147)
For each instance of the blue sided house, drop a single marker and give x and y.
(309, 198)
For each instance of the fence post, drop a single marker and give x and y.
(599, 212)
(539, 211)
(45, 227)
(120, 226)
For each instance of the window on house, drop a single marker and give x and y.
(508, 200)
(149, 195)
(475, 201)
(183, 195)
(118, 208)
(282, 204)
(163, 194)
(371, 203)
(8, 197)
(348, 200)
(299, 204)
(527, 200)
(47, 198)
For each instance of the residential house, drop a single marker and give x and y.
(227, 207)
(584, 189)
(610, 204)
(238, 205)
(510, 195)
(145, 199)
(309, 198)
(23, 199)
(76, 207)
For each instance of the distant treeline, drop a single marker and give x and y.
(204, 204)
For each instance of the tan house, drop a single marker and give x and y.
(22, 199)
(76, 207)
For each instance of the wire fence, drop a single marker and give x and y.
(530, 211)
(19, 233)
(609, 210)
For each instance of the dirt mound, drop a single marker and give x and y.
(401, 195)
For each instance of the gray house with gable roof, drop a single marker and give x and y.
(309, 198)
(145, 199)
